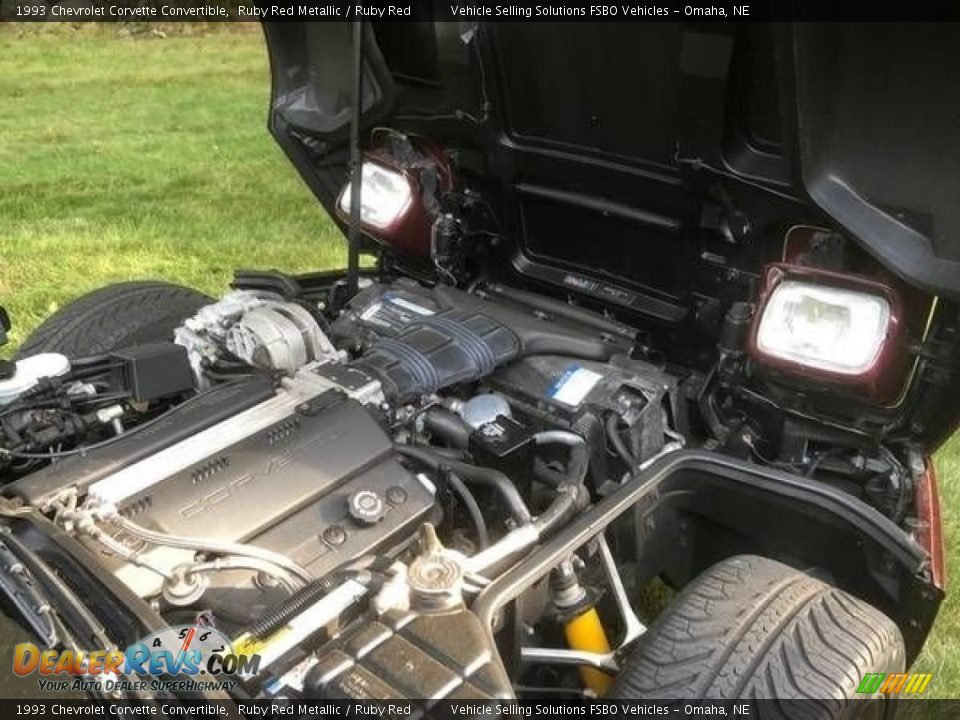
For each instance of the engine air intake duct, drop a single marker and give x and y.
(437, 351)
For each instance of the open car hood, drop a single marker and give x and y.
(665, 144)
(877, 125)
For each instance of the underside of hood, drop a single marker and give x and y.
(877, 112)
(860, 120)
(656, 167)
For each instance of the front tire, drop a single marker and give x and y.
(115, 316)
(753, 628)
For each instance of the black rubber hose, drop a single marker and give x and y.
(449, 453)
(570, 498)
(578, 464)
(449, 426)
(471, 473)
(471, 506)
(613, 433)
(546, 474)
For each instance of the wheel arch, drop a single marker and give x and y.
(694, 508)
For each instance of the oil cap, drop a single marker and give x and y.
(366, 507)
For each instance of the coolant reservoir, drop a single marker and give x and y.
(30, 371)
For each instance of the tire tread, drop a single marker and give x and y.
(750, 627)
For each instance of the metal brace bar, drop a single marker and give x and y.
(602, 661)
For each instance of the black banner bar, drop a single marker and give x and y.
(444, 710)
(467, 11)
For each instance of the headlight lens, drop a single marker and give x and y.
(828, 328)
(384, 197)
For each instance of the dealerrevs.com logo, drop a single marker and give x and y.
(180, 658)
(894, 683)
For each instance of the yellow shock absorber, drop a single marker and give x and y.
(581, 623)
(585, 632)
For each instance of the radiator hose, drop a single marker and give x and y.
(473, 474)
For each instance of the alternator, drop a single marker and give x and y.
(258, 328)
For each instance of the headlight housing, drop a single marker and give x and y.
(833, 329)
(838, 329)
(404, 180)
(385, 196)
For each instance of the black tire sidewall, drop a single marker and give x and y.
(115, 316)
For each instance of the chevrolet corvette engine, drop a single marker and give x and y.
(405, 452)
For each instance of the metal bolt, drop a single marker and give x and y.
(396, 495)
(335, 535)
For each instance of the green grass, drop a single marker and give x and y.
(145, 157)
(148, 157)
(941, 654)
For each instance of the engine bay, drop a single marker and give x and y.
(332, 490)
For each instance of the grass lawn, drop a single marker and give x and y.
(148, 157)
(138, 158)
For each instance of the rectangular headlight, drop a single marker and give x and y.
(835, 329)
(829, 328)
(384, 197)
